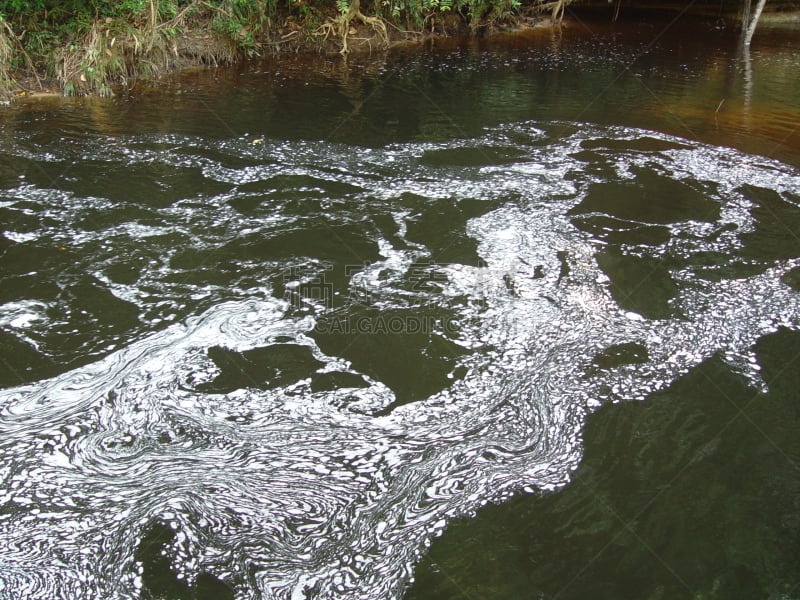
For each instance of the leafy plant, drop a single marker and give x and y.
(242, 21)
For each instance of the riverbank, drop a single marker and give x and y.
(99, 53)
(105, 54)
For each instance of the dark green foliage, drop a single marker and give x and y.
(476, 12)
(243, 21)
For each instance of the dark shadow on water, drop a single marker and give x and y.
(260, 368)
(440, 226)
(650, 198)
(621, 354)
(640, 284)
(159, 580)
(777, 230)
(692, 493)
(399, 348)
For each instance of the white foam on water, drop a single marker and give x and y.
(288, 492)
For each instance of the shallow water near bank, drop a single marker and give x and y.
(270, 332)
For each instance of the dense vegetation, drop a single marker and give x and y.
(87, 46)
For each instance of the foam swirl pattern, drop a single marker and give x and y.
(315, 356)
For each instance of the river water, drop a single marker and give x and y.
(267, 331)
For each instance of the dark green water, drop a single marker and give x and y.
(507, 319)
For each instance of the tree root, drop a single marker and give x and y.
(558, 12)
(340, 27)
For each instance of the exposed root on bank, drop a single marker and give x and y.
(556, 8)
(558, 12)
(341, 26)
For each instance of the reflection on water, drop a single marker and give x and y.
(273, 337)
(687, 79)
